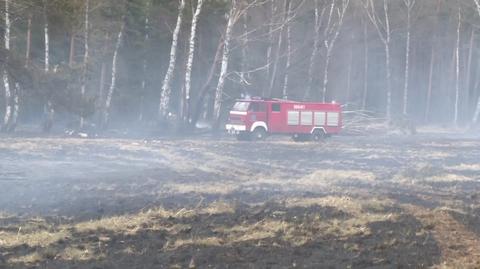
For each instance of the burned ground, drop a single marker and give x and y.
(349, 202)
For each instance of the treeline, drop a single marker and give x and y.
(100, 64)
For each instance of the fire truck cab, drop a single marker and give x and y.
(254, 119)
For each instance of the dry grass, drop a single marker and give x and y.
(327, 176)
(39, 238)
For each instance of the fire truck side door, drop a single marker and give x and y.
(275, 117)
(257, 112)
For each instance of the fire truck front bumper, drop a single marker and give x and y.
(235, 128)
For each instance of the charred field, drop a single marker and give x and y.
(348, 202)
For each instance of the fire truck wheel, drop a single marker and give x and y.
(318, 135)
(243, 136)
(259, 134)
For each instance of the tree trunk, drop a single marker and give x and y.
(349, 72)
(468, 77)
(387, 60)
(365, 71)
(225, 59)
(316, 46)
(457, 68)
(273, 10)
(101, 88)
(410, 4)
(47, 37)
(6, 83)
(16, 108)
(477, 109)
(29, 41)
(384, 33)
(85, 63)
(204, 90)
(329, 41)
(166, 87)
(146, 39)
(71, 58)
(244, 74)
(430, 84)
(108, 100)
(191, 54)
(49, 106)
(289, 51)
(277, 56)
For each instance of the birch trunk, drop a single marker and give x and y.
(16, 108)
(6, 84)
(316, 47)
(244, 74)
(47, 37)
(145, 65)
(469, 68)
(71, 58)
(204, 90)
(289, 51)
(476, 115)
(273, 10)
(29, 41)
(384, 33)
(387, 59)
(410, 4)
(225, 59)
(331, 33)
(49, 106)
(101, 88)
(191, 54)
(108, 99)
(277, 55)
(85, 62)
(457, 68)
(349, 72)
(430, 75)
(430, 84)
(166, 87)
(365, 68)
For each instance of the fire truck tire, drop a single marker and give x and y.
(318, 135)
(243, 136)
(259, 134)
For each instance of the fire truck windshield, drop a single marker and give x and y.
(241, 106)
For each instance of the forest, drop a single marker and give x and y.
(100, 64)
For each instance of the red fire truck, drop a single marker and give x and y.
(256, 118)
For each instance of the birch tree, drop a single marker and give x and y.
(332, 30)
(457, 68)
(29, 40)
(384, 33)
(273, 11)
(273, 74)
(166, 85)
(409, 4)
(146, 39)
(50, 110)
(191, 54)
(476, 115)
(288, 10)
(225, 58)
(6, 83)
(319, 13)
(431, 68)
(244, 75)
(365, 67)
(85, 61)
(111, 90)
